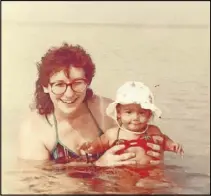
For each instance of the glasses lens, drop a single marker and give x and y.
(58, 88)
(79, 86)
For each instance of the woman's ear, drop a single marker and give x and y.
(45, 89)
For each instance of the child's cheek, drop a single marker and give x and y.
(125, 117)
(143, 119)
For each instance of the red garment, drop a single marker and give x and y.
(141, 142)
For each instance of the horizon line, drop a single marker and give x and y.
(145, 25)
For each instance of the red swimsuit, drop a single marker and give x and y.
(141, 142)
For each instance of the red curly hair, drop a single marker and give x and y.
(55, 60)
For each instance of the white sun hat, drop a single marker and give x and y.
(133, 92)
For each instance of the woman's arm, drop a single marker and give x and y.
(111, 158)
(156, 146)
(31, 146)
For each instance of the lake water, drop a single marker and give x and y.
(175, 57)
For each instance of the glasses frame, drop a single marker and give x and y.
(70, 84)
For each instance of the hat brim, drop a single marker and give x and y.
(111, 110)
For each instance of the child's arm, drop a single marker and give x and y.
(101, 144)
(168, 143)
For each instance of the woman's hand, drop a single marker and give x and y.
(156, 149)
(110, 158)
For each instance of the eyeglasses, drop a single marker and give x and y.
(77, 85)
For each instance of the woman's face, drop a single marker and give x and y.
(67, 98)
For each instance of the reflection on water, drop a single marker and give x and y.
(49, 178)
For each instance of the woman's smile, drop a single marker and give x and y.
(67, 101)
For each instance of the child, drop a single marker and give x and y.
(132, 110)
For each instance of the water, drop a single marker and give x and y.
(175, 58)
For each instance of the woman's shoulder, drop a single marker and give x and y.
(98, 105)
(100, 100)
(32, 122)
(34, 136)
(31, 116)
(112, 132)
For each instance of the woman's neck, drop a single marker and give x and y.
(60, 116)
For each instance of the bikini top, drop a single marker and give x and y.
(60, 152)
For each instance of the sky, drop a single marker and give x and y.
(142, 12)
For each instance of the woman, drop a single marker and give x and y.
(67, 113)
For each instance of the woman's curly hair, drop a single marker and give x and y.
(55, 60)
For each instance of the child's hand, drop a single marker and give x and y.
(177, 148)
(84, 148)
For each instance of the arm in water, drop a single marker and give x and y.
(102, 146)
(32, 147)
(110, 156)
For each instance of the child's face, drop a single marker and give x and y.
(133, 117)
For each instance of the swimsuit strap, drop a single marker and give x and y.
(46, 117)
(56, 127)
(55, 124)
(95, 121)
